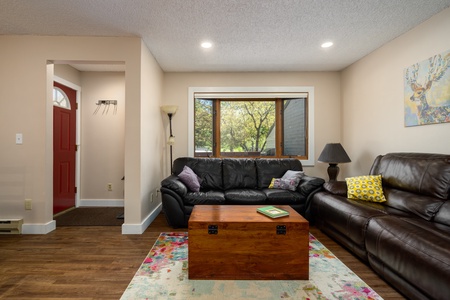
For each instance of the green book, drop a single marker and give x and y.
(272, 211)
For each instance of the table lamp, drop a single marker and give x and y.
(333, 153)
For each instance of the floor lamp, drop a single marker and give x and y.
(333, 154)
(170, 110)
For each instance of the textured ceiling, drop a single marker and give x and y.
(248, 35)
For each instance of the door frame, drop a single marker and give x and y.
(77, 135)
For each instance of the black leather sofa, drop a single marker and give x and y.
(235, 181)
(406, 239)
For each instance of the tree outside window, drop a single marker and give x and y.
(250, 127)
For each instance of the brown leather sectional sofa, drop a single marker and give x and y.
(406, 239)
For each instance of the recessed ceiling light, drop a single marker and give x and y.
(206, 45)
(327, 44)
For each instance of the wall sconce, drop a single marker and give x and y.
(333, 154)
(170, 110)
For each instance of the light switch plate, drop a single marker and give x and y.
(28, 204)
(19, 139)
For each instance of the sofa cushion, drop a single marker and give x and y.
(414, 249)
(345, 220)
(245, 196)
(443, 215)
(274, 168)
(277, 196)
(208, 169)
(367, 188)
(239, 173)
(419, 205)
(419, 173)
(208, 198)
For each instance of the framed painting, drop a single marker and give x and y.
(427, 91)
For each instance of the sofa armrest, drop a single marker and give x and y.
(172, 194)
(309, 184)
(336, 188)
(174, 184)
(308, 187)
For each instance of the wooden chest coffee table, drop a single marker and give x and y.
(236, 242)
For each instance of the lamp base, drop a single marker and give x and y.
(333, 171)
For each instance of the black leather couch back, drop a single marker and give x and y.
(275, 168)
(239, 173)
(236, 173)
(208, 169)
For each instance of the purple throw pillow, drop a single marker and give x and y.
(293, 174)
(190, 179)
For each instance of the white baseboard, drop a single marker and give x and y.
(126, 228)
(39, 228)
(140, 228)
(102, 202)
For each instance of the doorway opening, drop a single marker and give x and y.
(99, 136)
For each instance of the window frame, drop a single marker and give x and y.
(255, 92)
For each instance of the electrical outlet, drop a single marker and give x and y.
(28, 204)
(109, 186)
(151, 198)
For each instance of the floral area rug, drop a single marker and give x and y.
(164, 275)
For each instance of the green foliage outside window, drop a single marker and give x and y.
(247, 127)
(244, 125)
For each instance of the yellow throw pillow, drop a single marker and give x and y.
(368, 188)
(272, 183)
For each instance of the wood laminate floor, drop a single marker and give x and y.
(98, 262)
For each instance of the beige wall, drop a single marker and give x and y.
(26, 107)
(151, 132)
(327, 103)
(373, 98)
(102, 136)
(68, 73)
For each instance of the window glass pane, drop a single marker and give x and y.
(245, 127)
(294, 127)
(60, 99)
(203, 127)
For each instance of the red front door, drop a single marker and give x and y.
(64, 130)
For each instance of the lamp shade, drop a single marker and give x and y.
(334, 153)
(169, 109)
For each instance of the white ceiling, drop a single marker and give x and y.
(247, 35)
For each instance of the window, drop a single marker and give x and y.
(251, 124)
(60, 98)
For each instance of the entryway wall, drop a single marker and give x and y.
(102, 139)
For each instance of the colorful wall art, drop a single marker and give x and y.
(427, 91)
